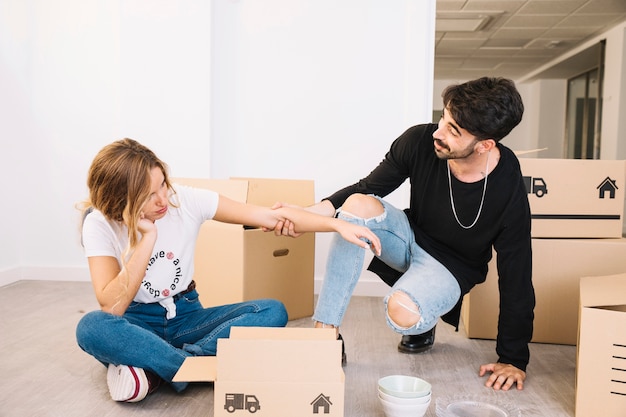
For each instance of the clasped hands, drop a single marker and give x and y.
(359, 235)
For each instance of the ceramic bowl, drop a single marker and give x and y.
(404, 401)
(400, 410)
(404, 386)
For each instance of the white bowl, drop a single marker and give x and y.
(403, 401)
(404, 386)
(399, 410)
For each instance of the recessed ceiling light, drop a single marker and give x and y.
(465, 21)
(553, 44)
(461, 25)
(504, 43)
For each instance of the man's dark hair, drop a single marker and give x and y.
(488, 108)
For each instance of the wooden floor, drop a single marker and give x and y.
(44, 373)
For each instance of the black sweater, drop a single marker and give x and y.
(504, 225)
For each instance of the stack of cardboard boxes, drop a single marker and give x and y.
(577, 217)
(577, 209)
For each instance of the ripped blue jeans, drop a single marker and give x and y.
(429, 284)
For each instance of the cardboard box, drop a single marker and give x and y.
(575, 198)
(235, 263)
(273, 372)
(558, 265)
(601, 356)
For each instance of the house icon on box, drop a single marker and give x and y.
(607, 186)
(321, 402)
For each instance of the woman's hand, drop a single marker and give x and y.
(146, 226)
(355, 234)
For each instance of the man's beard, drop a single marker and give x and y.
(445, 152)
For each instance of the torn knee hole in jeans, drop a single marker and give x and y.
(405, 312)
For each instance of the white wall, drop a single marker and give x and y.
(80, 74)
(303, 93)
(14, 110)
(547, 130)
(278, 88)
(285, 82)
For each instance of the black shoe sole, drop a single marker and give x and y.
(421, 349)
(419, 343)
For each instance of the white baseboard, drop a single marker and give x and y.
(9, 276)
(34, 273)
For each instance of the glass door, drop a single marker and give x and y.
(584, 107)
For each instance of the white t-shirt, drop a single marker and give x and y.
(170, 268)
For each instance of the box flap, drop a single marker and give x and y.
(280, 354)
(234, 189)
(282, 333)
(609, 290)
(279, 360)
(266, 192)
(529, 151)
(269, 354)
(197, 369)
(616, 308)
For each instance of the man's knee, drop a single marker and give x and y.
(402, 310)
(363, 206)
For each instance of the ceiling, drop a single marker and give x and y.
(515, 38)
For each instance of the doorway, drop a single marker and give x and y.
(584, 111)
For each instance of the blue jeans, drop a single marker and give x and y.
(426, 281)
(144, 338)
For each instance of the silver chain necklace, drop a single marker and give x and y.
(482, 199)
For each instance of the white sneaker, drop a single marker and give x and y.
(127, 383)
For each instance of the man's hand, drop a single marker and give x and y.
(503, 376)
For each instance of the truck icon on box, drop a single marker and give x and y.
(235, 402)
(535, 185)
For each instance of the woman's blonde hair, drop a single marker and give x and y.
(119, 183)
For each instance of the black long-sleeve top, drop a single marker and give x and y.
(504, 224)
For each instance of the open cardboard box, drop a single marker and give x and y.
(575, 198)
(235, 263)
(558, 265)
(601, 356)
(273, 372)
